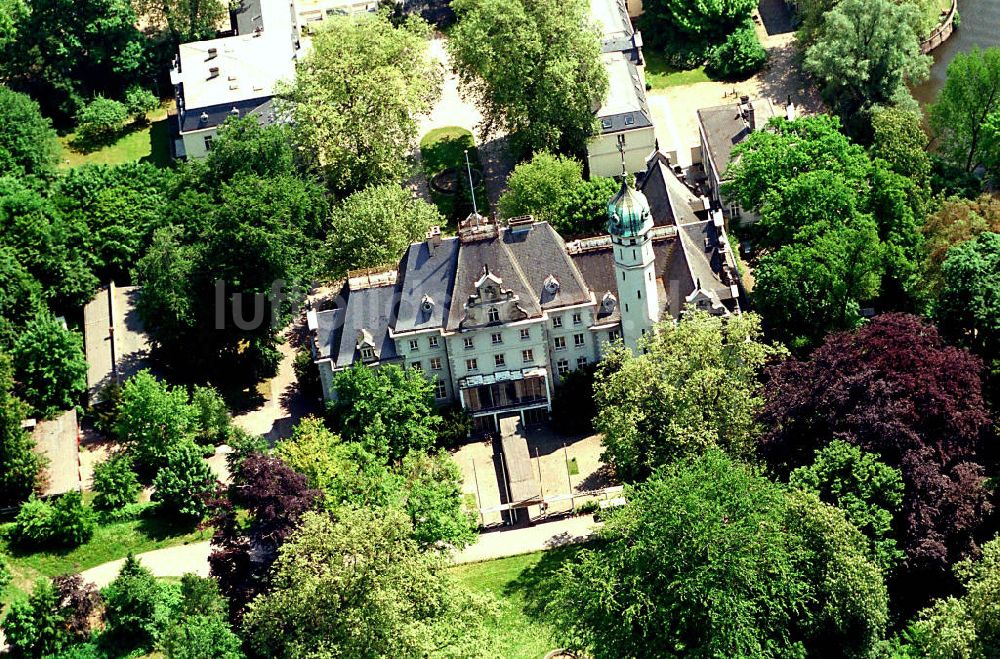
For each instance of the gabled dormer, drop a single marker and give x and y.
(366, 347)
(492, 304)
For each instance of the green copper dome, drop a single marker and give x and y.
(628, 213)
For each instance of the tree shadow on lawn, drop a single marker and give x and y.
(536, 584)
(156, 526)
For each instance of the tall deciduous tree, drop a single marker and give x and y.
(899, 139)
(971, 93)
(19, 464)
(374, 226)
(533, 67)
(869, 492)
(28, 144)
(954, 222)
(360, 587)
(968, 308)
(865, 54)
(49, 365)
(262, 508)
(356, 97)
(894, 389)
(694, 386)
(964, 626)
(244, 146)
(184, 484)
(701, 21)
(153, 419)
(65, 51)
(20, 297)
(184, 20)
(389, 410)
(712, 559)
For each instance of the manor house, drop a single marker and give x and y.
(497, 314)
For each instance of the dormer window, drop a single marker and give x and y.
(494, 315)
(491, 292)
(551, 285)
(367, 354)
(427, 304)
(608, 303)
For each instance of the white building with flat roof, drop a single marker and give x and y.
(235, 75)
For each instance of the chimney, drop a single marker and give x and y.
(213, 72)
(751, 115)
(212, 53)
(433, 238)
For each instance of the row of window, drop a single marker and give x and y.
(560, 341)
(557, 321)
(527, 356)
(562, 365)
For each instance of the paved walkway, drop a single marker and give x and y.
(168, 562)
(180, 560)
(511, 542)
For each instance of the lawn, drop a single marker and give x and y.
(661, 75)
(148, 141)
(442, 149)
(109, 542)
(519, 583)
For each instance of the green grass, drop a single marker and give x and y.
(147, 141)
(661, 75)
(520, 583)
(109, 542)
(444, 148)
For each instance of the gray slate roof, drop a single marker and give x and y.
(724, 128)
(369, 309)
(431, 272)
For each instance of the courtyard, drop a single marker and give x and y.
(569, 470)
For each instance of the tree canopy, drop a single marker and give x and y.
(374, 227)
(552, 189)
(535, 73)
(27, 142)
(703, 21)
(388, 410)
(50, 366)
(694, 386)
(869, 493)
(356, 96)
(865, 54)
(837, 230)
(970, 96)
(709, 558)
(359, 586)
(153, 419)
(894, 389)
(19, 464)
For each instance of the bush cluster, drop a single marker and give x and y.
(66, 522)
(738, 57)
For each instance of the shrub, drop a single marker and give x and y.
(73, 523)
(183, 486)
(140, 100)
(212, 421)
(739, 56)
(306, 373)
(137, 607)
(100, 119)
(454, 429)
(105, 412)
(33, 627)
(66, 522)
(115, 483)
(5, 575)
(34, 522)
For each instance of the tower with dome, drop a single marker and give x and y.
(629, 225)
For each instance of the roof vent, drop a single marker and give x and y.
(235, 111)
(203, 118)
(551, 285)
(427, 303)
(212, 53)
(213, 72)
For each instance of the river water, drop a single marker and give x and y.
(980, 26)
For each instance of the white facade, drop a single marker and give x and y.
(634, 264)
